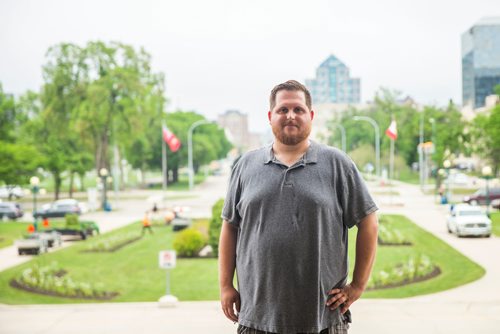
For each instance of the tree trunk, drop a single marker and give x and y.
(57, 184)
(71, 179)
(82, 177)
(175, 176)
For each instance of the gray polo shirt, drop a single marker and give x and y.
(292, 235)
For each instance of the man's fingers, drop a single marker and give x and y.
(228, 310)
(339, 302)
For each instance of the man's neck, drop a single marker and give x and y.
(289, 154)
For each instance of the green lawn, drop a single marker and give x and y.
(133, 270)
(495, 221)
(12, 230)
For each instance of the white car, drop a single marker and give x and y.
(470, 220)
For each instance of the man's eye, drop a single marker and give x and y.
(283, 110)
(298, 110)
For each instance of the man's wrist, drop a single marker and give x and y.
(358, 286)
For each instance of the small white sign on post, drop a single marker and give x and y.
(167, 260)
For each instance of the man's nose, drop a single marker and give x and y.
(290, 114)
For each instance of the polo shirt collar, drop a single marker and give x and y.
(311, 155)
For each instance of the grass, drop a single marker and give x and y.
(495, 223)
(133, 270)
(10, 231)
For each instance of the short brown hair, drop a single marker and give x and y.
(291, 85)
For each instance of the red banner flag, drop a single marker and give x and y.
(392, 131)
(171, 139)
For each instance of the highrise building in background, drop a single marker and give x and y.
(480, 61)
(236, 125)
(333, 83)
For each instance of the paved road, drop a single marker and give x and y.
(473, 308)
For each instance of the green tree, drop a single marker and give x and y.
(18, 159)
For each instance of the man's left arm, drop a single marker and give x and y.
(366, 247)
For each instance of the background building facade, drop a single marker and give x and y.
(480, 61)
(333, 83)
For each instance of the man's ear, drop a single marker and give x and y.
(312, 115)
(269, 115)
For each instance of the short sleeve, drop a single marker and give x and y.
(357, 202)
(229, 211)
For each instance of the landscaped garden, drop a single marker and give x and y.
(410, 262)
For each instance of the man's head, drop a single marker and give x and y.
(290, 115)
(290, 85)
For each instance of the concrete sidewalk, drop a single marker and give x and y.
(372, 316)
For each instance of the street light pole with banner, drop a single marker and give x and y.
(167, 260)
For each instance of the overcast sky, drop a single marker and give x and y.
(228, 54)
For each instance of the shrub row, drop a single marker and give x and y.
(391, 236)
(52, 280)
(415, 269)
(111, 243)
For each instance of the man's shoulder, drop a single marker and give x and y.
(332, 153)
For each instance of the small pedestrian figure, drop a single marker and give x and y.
(146, 224)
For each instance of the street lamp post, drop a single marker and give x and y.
(343, 136)
(486, 171)
(377, 139)
(34, 181)
(447, 165)
(103, 173)
(190, 149)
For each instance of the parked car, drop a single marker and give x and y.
(34, 243)
(470, 220)
(11, 192)
(10, 210)
(479, 197)
(59, 208)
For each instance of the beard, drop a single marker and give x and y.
(291, 139)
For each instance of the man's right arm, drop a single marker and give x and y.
(229, 296)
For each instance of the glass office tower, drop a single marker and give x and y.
(480, 61)
(333, 83)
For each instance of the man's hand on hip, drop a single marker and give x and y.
(343, 297)
(230, 300)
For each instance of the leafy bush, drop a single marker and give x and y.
(52, 280)
(215, 226)
(413, 270)
(72, 222)
(189, 242)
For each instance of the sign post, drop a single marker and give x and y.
(167, 260)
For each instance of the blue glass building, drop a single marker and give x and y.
(480, 61)
(333, 83)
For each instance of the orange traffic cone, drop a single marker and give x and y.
(31, 228)
(46, 223)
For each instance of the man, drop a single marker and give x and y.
(286, 217)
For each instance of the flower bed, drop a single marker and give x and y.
(53, 281)
(112, 243)
(391, 237)
(414, 270)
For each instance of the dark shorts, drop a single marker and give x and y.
(340, 328)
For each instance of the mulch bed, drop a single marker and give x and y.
(114, 249)
(436, 272)
(18, 285)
